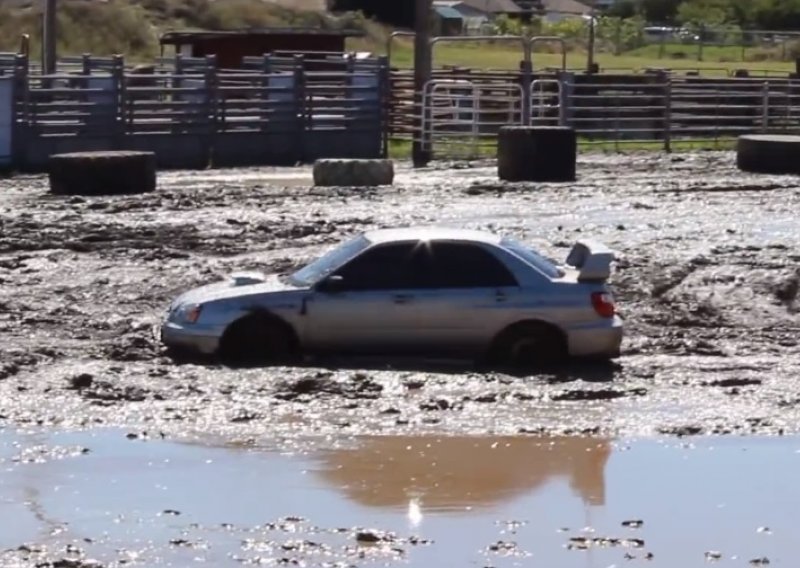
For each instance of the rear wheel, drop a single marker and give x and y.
(258, 340)
(528, 345)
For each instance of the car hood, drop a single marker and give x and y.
(236, 285)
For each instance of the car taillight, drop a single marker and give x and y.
(603, 304)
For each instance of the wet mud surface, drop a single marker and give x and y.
(707, 282)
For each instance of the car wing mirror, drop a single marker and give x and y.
(332, 284)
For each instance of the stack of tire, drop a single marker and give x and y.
(768, 154)
(353, 173)
(102, 173)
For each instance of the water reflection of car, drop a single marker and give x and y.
(445, 472)
(421, 291)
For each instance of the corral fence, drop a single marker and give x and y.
(277, 109)
(460, 110)
(463, 111)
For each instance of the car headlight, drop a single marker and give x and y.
(186, 313)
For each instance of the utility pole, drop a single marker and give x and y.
(49, 35)
(420, 153)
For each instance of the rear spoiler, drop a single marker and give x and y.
(592, 260)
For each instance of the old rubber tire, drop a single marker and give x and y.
(768, 153)
(528, 345)
(258, 340)
(353, 173)
(102, 173)
(534, 153)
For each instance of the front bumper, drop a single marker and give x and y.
(197, 339)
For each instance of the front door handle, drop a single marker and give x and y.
(500, 296)
(402, 298)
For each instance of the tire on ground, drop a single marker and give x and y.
(353, 173)
(536, 153)
(102, 173)
(768, 154)
(258, 339)
(528, 345)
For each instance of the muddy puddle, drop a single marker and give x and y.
(113, 497)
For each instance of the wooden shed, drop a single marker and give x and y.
(232, 46)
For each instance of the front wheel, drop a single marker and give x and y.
(258, 340)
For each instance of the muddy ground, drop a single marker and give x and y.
(707, 281)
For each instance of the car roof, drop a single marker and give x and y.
(431, 234)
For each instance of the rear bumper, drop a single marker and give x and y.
(602, 339)
(198, 340)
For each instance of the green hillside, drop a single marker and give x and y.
(132, 28)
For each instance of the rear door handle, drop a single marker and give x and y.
(402, 298)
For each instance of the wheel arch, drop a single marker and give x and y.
(258, 315)
(510, 328)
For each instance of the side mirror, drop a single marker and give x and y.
(332, 284)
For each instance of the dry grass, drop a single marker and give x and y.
(132, 28)
(308, 5)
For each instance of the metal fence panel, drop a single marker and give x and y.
(6, 120)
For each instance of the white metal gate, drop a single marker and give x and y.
(461, 119)
(546, 103)
(6, 119)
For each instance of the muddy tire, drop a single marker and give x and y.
(102, 173)
(353, 173)
(258, 340)
(768, 154)
(532, 153)
(528, 345)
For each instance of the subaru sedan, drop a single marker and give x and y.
(411, 291)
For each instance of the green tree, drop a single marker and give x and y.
(623, 9)
(659, 11)
(708, 13)
(776, 14)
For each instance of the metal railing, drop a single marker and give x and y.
(294, 106)
(462, 117)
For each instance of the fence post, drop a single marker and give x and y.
(527, 80)
(118, 73)
(22, 94)
(303, 110)
(7, 120)
(266, 70)
(701, 40)
(384, 101)
(565, 98)
(765, 107)
(211, 106)
(668, 115)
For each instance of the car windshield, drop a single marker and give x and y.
(533, 258)
(320, 268)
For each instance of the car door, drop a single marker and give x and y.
(372, 308)
(467, 299)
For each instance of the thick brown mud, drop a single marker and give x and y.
(707, 282)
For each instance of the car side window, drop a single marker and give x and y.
(466, 265)
(387, 267)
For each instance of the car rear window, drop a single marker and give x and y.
(533, 258)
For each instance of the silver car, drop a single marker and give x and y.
(421, 291)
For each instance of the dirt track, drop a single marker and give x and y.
(707, 281)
